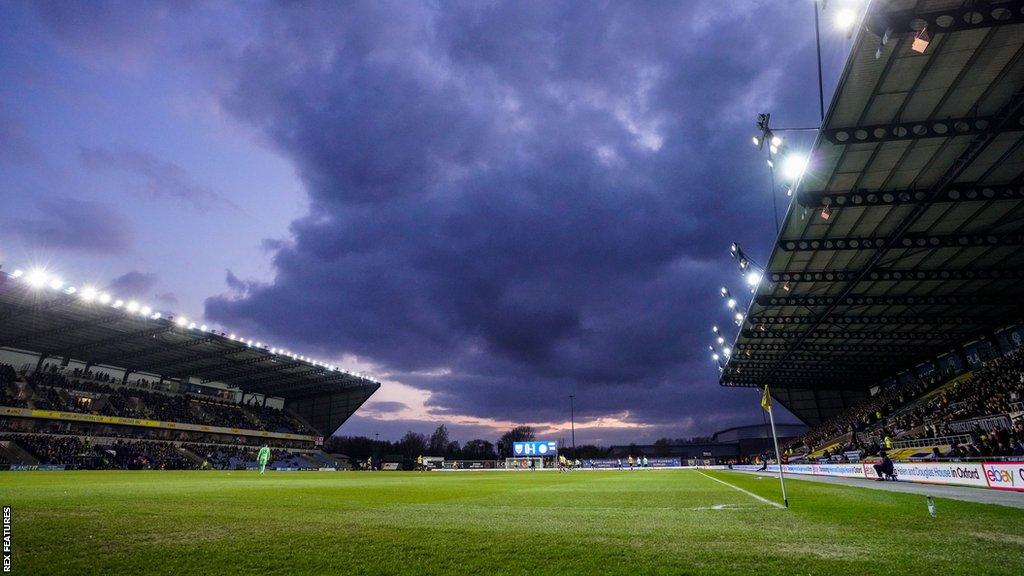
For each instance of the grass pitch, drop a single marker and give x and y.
(615, 522)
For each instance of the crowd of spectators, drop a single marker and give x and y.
(82, 452)
(55, 391)
(9, 396)
(908, 412)
(867, 413)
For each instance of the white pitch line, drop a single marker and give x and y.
(734, 487)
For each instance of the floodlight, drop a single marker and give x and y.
(727, 352)
(794, 165)
(132, 306)
(88, 294)
(156, 316)
(721, 340)
(145, 311)
(104, 298)
(181, 321)
(118, 303)
(845, 19)
(756, 141)
(17, 274)
(36, 278)
(191, 325)
(714, 357)
(731, 303)
(776, 141)
(753, 278)
(739, 316)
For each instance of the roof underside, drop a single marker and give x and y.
(919, 168)
(61, 326)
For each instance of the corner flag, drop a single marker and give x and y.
(766, 403)
(766, 400)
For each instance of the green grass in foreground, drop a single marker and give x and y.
(650, 522)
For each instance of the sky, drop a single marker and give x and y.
(488, 206)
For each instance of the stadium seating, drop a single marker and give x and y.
(916, 419)
(98, 394)
(129, 454)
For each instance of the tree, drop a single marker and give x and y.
(453, 451)
(412, 445)
(479, 450)
(439, 441)
(517, 434)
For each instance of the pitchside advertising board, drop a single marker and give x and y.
(541, 448)
(999, 475)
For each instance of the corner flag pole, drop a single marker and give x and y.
(766, 403)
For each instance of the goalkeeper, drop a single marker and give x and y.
(262, 458)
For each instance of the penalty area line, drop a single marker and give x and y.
(734, 487)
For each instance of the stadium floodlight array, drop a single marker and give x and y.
(40, 278)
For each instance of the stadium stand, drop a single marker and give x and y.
(976, 415)
(93, 383)
(888, 315)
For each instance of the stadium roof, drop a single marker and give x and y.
(904, 237)
(57, 322)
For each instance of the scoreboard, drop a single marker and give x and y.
(539, 448)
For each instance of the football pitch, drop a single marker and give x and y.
(614, 522)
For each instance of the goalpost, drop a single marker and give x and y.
(526, 463)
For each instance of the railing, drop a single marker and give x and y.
(939, 441)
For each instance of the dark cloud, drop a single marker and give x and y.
(154, 177)
(73, 225)
(537, 197)
(133, 284)
(168, 298)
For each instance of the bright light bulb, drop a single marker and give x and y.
(156, 316)
(88, 294)
(36, 278)
(203, 327)
(145, 311)
(774, 149)
(714, 357)
(181, 321)
(191, 325)
(17, 274)
(721, 340)
(132, 306)
(104, 298)
(753, 278)
(118, 303)
(727, 352)
(845, 19)
(776, 141)
(739, 316)
(56, 283)
(756, 141)
(794, 165)
(731, 303)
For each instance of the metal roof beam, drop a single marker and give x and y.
(165, 347)
(252, 371)
(198, 358)
(906, 241)
(971, 16)
(902, 274)
(939, 128)
(844, 347)
(887, 300)
(233, 365)
(961, 192)
(70, 327)
(71, 351)
(757, 319)
(859, 335)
